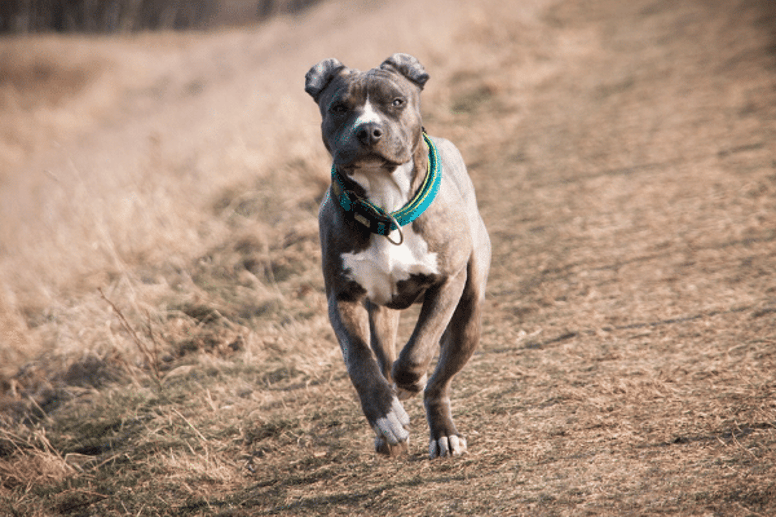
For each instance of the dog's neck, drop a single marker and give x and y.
(388, 190)
(391, 190)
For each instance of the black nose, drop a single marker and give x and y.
(369, 134)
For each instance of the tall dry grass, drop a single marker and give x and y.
(128, 154)
(180, 184)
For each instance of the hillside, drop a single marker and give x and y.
(164, 347)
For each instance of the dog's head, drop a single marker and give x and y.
(369, 118)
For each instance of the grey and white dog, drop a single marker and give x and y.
(399, 225)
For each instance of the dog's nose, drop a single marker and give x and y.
(369, 134)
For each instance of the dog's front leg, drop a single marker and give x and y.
(410, 369)
(383, 323)
(381, 407)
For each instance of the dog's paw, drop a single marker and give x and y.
(453, 445)
(391, 428)
(408, 391)
(383, 447)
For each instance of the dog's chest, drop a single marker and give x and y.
(381, 267)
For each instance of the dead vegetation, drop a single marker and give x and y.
(624, 156)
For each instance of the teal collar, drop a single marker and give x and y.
(377, 220)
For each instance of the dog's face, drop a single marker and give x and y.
(370, 119)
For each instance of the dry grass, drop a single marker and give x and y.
(624, 159)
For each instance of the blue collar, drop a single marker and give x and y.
(374, 218)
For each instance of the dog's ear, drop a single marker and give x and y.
(319, 76)
(407, 66)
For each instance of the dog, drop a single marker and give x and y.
(399, 225)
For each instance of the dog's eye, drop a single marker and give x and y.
(397, 103)
(338, 108)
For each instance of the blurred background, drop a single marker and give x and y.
(108, 16)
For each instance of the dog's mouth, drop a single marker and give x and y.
(368, 163)
(386, 155)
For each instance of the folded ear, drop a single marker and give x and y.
(319, 76)
(407, 66)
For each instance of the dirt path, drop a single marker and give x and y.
(630, 349)
(625, 161)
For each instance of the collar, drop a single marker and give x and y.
(377, 220)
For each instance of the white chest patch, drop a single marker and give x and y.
(382, 265)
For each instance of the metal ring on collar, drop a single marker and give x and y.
(398, 227)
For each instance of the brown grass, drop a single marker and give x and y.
(624, 159)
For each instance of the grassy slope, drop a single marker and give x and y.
(624, 159)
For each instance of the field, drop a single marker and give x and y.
(164, 346)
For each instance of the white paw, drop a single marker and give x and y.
(391, 427)
(447, 446)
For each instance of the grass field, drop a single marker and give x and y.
(164, 346)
